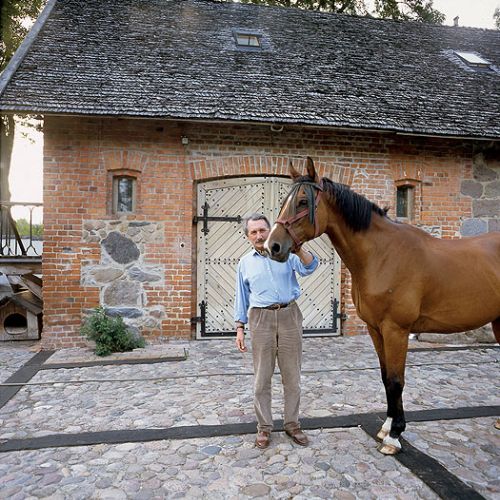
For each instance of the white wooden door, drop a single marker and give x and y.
(222, 242)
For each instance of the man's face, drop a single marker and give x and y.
(258, 231)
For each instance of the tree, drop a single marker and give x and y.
(23, 227)
(400, 10)
(16, 18)
(496, 17)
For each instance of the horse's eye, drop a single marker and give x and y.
(302, 203)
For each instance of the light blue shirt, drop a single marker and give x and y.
(261, 281)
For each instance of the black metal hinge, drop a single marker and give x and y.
(205, 218)
(202, 317)
(337, 315)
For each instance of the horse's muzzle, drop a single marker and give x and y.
(277, 252)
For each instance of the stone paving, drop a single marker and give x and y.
(12, 357)
(213, 386)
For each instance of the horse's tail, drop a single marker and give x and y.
(496, 329)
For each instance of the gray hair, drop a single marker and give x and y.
(255, 216)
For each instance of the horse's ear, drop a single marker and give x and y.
(311, 171)
(293, 173)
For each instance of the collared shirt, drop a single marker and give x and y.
(261, 281)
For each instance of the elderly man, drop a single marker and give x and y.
(266, 292)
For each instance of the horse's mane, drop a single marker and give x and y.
(354, 208)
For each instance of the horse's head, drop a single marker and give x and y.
(299, 219)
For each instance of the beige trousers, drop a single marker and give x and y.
(276, 334)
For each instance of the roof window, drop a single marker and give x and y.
(247, 40)
(473, 60)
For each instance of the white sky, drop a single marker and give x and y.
(25, 179)
(477, 13)
(26, 171)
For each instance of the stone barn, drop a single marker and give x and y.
(166, 121)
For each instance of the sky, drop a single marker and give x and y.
(25, 179)
(476, 13)
(26, 172)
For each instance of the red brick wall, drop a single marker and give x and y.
(82, 153)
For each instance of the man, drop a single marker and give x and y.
(266, 291)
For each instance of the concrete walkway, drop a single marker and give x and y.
(149, 427)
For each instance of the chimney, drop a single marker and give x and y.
(455, 21)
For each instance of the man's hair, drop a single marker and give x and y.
(253, 217)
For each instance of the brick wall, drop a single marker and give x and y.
(82, 154)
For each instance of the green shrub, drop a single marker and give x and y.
(110, 334)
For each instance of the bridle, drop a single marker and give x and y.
(310, 210)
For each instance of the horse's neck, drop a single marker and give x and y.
(355, 248)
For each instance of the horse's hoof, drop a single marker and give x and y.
(497, 424)
(390, 446)
(388, 449)
(382, 434)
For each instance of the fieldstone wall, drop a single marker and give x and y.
(123, 275)
(484, 189)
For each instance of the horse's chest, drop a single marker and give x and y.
(375, 305)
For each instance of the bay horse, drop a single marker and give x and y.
(403, 279)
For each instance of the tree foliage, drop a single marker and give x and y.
(16, 18)
(23, 227)
(496, 17)
(400, 10)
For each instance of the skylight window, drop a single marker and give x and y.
(473, 59)
(247, 39)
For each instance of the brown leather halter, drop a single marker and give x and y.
(287, 223)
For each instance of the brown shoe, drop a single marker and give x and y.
(298, 437)
(263, 439)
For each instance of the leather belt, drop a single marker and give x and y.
(276, 307)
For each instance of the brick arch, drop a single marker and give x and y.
(124, 159)
(207, 168)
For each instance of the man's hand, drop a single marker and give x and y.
(305, 256)
(240, 340)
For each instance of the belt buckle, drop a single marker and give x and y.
(278, 307)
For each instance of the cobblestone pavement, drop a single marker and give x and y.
(213, 386)
(12, 357)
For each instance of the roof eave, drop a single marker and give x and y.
(266, 122)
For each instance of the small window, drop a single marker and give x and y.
(124, 194)
(244, 40)
(473, 59)
(404, 201)
(247, 40)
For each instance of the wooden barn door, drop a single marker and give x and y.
(222, 242)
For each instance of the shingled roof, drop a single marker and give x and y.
(177, 59)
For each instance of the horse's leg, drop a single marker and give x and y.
(378, 343)
(496, 329)
(395, 349)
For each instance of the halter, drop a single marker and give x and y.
(287, 223)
